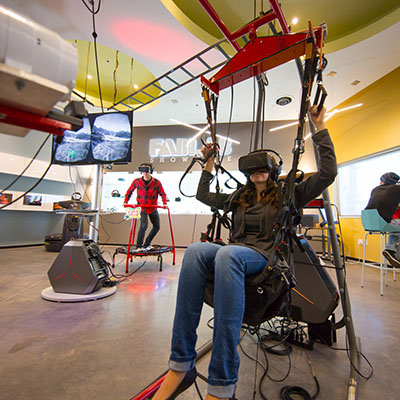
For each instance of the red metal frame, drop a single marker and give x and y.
(13, 116)
(133, 230)
(279, 16)
(316, 203)
(276, 13)
(150, 390)
(260, 53)
(218, 21)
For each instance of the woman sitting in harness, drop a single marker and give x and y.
(252, 238)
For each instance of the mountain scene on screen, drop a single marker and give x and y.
(111, 137)
(75, 146)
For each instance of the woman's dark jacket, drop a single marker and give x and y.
(305, 191)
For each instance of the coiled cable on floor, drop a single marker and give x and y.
(287, 391)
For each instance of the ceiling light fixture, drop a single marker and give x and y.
(295, 20)
(284, 100)
(200, 131)
(89, 76)
(187, 125)
(277, 128)
(228, 139)
(333, 112)
(14, 15)
(308, 136)
(328, 115)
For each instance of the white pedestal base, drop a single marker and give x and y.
(51, 295)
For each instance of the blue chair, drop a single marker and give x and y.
(374, 224)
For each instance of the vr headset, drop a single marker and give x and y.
(145, 168)
(260, 160)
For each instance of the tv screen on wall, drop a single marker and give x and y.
(33, 200)
(5, 198)
(103, 139)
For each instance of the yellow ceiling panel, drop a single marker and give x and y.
(120, 75)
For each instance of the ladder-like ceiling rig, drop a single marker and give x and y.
(208, 60)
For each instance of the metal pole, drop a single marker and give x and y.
(257, 140)
(95, 205)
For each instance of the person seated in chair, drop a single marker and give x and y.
(386, 198)
(254, 209)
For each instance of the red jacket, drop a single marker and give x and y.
(147, 193)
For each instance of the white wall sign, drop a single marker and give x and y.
(180, 147)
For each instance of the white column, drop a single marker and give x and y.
(95, 205)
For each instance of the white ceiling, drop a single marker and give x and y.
(366, 61)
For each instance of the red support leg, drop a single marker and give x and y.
(172, 237)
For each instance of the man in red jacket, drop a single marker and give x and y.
(147, 189)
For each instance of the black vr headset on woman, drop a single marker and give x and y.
(261, 160)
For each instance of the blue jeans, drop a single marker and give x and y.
(230, 265)
(155, 220)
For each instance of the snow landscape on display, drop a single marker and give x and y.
(108, 140)
(75, 146)
(111, 137)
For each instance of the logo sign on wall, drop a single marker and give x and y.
(169, 149)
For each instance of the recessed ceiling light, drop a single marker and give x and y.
(295, 20)
(284, 100)
(332, 73)
(175, 101)
(355, 83)
(89, 76)
(328, 115)
(136, 86)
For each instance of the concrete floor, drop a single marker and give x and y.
(114, 347)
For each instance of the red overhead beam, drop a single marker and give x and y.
(252, 26)
(13, 116)
(276, 13)
(280, 17)
(222, 27)
(259, 55)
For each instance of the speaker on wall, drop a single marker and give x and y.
(79, 268)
